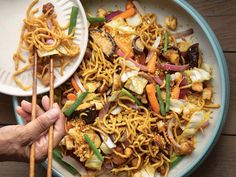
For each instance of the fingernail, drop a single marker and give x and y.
(25, 103)
(53, 114)
(55, 105)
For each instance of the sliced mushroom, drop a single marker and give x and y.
(138, 45)
(192, 55)
(88, 115)
(104, 40)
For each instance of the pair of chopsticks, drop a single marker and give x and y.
(33, 117)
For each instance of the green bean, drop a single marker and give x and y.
(126, 92)
(77, 102)
(73, 18)
(158, 90)
(93, 147)
(167, 92)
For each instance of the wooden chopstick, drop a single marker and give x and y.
(33, 114)
(50, 135)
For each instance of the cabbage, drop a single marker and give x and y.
(147, 171)
(94, 163)
(105, 149)
(199, 75)
(176, 105)
(119, 25)
(136, 84)
(128, 74)
(135, 20)
(197, 119)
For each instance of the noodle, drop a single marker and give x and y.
(36, 33)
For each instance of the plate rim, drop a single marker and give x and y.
(225, 87)
(5, 88)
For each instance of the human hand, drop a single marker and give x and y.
(15, 140)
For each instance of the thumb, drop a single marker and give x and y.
(42, 123)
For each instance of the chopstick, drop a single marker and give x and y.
(33, 114)
(50, 135)
(33, 117)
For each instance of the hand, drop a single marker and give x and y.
(15, 140)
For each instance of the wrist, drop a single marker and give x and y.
(10, 144)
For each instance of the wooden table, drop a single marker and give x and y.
(221, 15)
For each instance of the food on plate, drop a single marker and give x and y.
(42, 34)
(138, 99)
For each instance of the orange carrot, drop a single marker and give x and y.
(175, 92)
(129, 5)
(71, 97)
(124, 46)
(75, 85)
(152, 63)
(151, 93)
(127, 13)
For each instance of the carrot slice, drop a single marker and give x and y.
(152, 63)
(75, 85)
(127, 13)
(151, 93)
(71, 97)
(125, 46)
(129, 5)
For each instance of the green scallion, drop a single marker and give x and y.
(93, 147)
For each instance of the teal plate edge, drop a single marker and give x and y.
(225, 83)
(225, 89)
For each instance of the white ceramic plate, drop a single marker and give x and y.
(15, 12)
(212, 54)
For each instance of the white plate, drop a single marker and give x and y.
(15, 12)
(212, 54)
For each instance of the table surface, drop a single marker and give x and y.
(221, 15)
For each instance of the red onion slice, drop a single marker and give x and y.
(112, 15)
(140, 66)
(158, 80)
(170, 67)
(104, 111)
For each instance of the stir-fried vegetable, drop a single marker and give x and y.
(93, 147)
(71, 96)
(166, 39)
(136, 84)
(162, 106)
(96, 19)
(151, 93)
(73, 19)
(126, 92)
(58, 157)
(75, 85)
(152, 63)
(77, 102)
(127, 13)
(167, 92)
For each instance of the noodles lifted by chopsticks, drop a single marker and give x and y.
(43, 33)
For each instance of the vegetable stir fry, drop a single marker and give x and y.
(137, 101)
